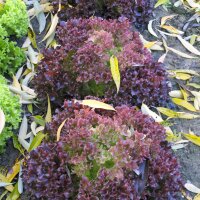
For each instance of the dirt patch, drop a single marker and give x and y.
(188, 157)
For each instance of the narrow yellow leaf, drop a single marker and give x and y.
(183, 76)
(173, 114)
(195, 85)
(197, 197)
(52, 28)
(164, 19)
(184, 104)
(59, 130)
(148, 45)
(196, 103)
(4, 179)
(2, 120)
(184, 93)
(115, 71)
(193, 39)
(96, 104)
(186, 71)
(188, 46)
(32, 37)
(13, 172)
(48, 117)
(161, 2)
(172, 29)
(16, 83)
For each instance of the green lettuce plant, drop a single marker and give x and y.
(13, 21)
(11, 56)
(14, 18)
(12, 109)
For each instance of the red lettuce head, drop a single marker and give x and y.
(137, 11)
(80, 66)
(118, 155)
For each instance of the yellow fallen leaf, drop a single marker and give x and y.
(150, 28)
(197, 197)
(2, 120)
(164, 19)
(196, 103)
(184, 93)
(172, 29)
(115, 71)
(4, 179)
(188, 46)
(173, 114)
(195, 85)
(197, 99)
(96, 104)
(48, 117)
(52, 28)
(153, 45)
(192, 138)
(184, 104)
(186, 71)
(183, 76)
(161, 2)
(59, 130)
(13, 172)
(193, 39)
(16, 83)
(32, 37)
(148, 45)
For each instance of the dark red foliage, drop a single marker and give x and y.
(137, 11)
(45, 174)
(80, 66)
(118, 155)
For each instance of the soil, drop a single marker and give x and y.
(189, 157)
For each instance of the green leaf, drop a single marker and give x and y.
(36, 141)
(17, 145)
(115, 71)
(48, 117)
(39, 120)
(32, 37)
(14, 195)
(30, 108)
(109, 164)
(195, 85)
(161, 2)
(92, 173)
